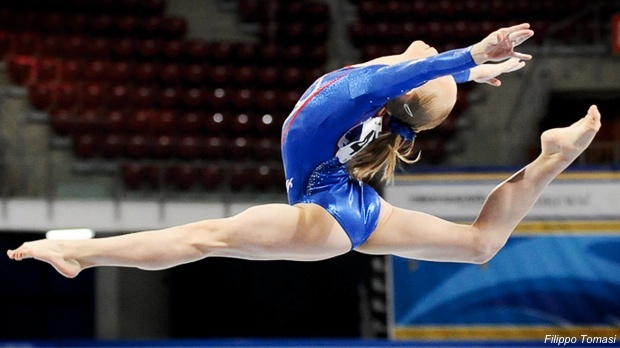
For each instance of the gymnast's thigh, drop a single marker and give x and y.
(301, 232)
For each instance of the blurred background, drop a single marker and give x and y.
(124, 115)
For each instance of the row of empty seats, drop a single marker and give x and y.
(416, 10)
(104, 25)
(200, 178)
(188, 148)
(113, 7)
(66, 95)
(383, 26)
(158, 51)
(27, 70)
(283, 12)
(152, 122)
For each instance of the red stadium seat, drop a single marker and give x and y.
(195, 74)
(190, 122)
(47, 69)
(189, 147)
(239, 148)
(245, 52)
(163, 146)
(120, 71)
(263, 177)
(123, 48)
(149, 49)
(26, 44)
(62, 121)
(269, 54)
(214, 148)
(218, 99)
(239, 177)
(93, 95)
(221, 52)
(75, 46)
(196, 51)
(183, 176)
(53, 22)
(144, 97)
(126, 26)
(75, 22)
(112, 146)
(169, 97)
(195, 98)
(219, 75)
(211, 176)
(267, 125)
(244, 76)
(139, 121)
(118, 97)
(5, 44)
(266, 149)
(154, 175)
(163, 122)
(41, 96)
(292, 77)
(101, 24)
(20, 69)
(242, 124)
(151, 26)
(71, 69)
(137, 146)
(66, 95)
(113, 121)
(215, 123)
(146, 72)
(88, 120)
(243, 99)
(289, 99)
(85, 146)
(174, 28)
(172, 50)
(268, 76)
(170, 74)
(267, 100)
(133, 175)
(97, 70)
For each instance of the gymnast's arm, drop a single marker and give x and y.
(396, 74)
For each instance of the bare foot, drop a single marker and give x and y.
(50, 251)
(569, 142)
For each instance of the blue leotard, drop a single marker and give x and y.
(333, 120)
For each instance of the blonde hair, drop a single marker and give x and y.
(420, 111)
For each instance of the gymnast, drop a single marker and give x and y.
(352, 125)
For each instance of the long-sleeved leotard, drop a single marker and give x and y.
(334, 120)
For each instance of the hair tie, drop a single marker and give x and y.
(401, 128)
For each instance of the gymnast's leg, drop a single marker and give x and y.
(304, 232)
(422, 236)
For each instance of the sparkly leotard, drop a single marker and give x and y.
(334, 120)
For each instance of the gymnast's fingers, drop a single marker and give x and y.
(518, 37)
(517, 27)
(512, 64)
(521, 56)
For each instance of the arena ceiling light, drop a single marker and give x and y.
(70, 234)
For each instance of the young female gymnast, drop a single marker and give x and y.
(333, 141)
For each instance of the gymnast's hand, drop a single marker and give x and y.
(487, 73)
(566, 144)
(500, 44)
